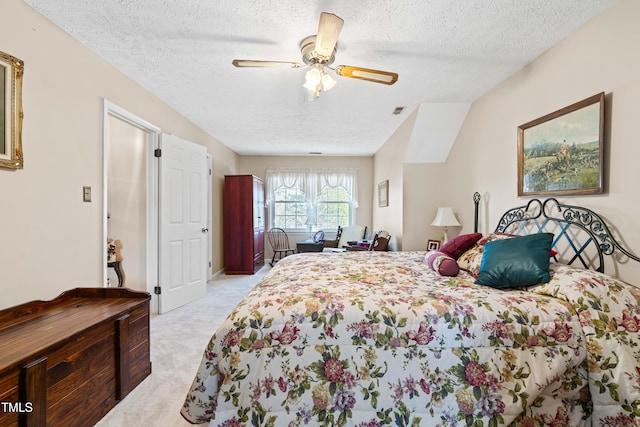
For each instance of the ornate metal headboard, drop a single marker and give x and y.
(576, 230)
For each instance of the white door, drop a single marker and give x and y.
(183, 223)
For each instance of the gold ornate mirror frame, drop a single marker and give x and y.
(11, 70)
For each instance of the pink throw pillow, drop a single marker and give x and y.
(460, 244)
(442, 263)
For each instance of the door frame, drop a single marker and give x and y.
(152, 142)
(209, 217)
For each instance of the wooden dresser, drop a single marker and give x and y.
(68, 361)
(243, 224)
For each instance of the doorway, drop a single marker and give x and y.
(126, 205)
(130, 198)
(156, 206)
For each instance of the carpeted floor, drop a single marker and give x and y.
(178, 339)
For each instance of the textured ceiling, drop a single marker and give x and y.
(444, 52)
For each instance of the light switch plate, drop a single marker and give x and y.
(86, 193)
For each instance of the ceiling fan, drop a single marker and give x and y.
(318, 52)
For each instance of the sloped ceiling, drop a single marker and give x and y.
(445, 52)
(435, 130)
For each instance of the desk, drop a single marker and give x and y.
(309, 246)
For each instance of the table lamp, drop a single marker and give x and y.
(310, 222)
(445, 218)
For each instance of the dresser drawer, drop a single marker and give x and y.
(64, 378)
(88, 403)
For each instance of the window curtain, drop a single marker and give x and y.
(311, 182)
(347, 178)
(288, 178)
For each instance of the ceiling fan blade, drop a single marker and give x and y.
(328, 30)
(376, 76)
(258, 63)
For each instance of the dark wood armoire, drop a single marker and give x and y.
(243, 224)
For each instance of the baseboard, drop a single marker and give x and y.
(216, 274)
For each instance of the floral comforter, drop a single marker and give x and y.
(370, 339)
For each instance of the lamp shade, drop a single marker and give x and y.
(316, 80)
(312, 78)
(445, 217)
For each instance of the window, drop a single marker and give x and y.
(290, 208)
(332, 208)
(304, 199)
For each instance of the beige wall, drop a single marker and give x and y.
(415, 193)
(51, 240)
(422, 199)
(601, 56)
(388, 165)
(257, 165)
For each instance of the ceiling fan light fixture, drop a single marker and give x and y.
(318, 51)
(327, 82)
(317, 80)
(312, 78)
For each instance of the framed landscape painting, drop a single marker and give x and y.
(562, 153)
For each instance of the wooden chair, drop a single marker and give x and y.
(380, 241)
(333, 243)
(280, 245)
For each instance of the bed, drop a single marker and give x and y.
(370, 339)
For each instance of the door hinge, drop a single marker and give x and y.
(157, 152)
(157, 290)
(209, 171)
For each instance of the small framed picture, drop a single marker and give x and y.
(383, 194)
(433, 245)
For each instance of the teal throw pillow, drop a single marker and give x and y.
(511, 263)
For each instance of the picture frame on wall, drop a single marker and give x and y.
(433, 245)
(11, 72)
(561, 153)
(383, 194)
